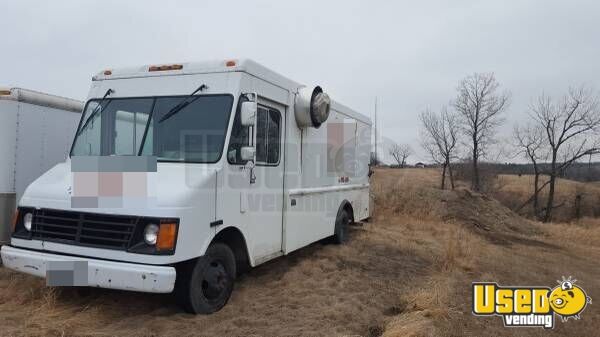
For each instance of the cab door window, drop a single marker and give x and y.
(268, 136)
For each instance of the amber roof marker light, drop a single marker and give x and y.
(166, 67)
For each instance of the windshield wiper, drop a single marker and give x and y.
(182, 104)
(98, 109)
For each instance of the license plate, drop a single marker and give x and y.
(67, 274)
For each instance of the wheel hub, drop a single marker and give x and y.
(214, 282)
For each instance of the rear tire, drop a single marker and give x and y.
(342, 224)
(204, 285)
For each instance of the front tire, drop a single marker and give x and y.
(204, 285)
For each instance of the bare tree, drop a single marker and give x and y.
(570, 128)
(439, 137)
(530, 141)
(400, 153)
(480, 107)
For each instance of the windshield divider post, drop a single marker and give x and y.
(147, 127)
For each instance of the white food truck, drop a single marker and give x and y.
(36, 132)
(249, 166)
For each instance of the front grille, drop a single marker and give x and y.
(84, 229)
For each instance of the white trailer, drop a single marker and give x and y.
(36, 131)
(250, 166)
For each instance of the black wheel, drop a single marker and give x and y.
(204, 285)
(342, 223)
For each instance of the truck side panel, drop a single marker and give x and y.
(325, 167)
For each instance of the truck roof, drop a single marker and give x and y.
(217, 66)
(204, 67)
(40, 98)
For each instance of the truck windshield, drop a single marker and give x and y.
(135, 126)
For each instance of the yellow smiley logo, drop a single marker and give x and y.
(568, 300)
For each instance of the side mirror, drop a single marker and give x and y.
(247, 153)
(248, 113)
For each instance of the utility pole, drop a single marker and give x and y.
(376, 159)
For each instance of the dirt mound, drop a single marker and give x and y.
(479, 213)
(401, 193)
(487, 217)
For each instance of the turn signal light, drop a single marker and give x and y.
(167, 235)
(108, 72)
(230, 63)
(13, 224)
(166, 67)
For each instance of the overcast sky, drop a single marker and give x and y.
(410, 54)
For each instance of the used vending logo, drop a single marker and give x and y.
(530, 306)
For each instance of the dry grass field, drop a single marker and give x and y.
(514, 190)
(407, 272)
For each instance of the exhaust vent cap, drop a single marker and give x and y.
(312, 107)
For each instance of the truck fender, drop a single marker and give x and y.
(236, 240)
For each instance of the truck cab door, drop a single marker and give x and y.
(261, 195)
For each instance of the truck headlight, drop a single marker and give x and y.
(151, 234)
(155, 236)
(27, 221)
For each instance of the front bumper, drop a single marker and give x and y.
(101, 273)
